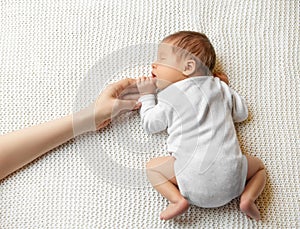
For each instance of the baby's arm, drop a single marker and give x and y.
(239, 107)
(153, 116)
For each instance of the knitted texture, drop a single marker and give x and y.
(50, 53)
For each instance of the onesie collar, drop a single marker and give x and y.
(182, 85)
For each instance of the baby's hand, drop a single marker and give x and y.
(146, 85)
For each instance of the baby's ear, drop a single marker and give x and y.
(189, 67)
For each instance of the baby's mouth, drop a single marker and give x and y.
(153, 75)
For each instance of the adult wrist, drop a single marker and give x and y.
(84, 120)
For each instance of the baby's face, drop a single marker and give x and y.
(167, 69)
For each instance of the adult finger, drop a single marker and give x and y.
(122, 106)
(130, 90)
(121, 85)
(133, 96)
(143, 78)
(103, 124)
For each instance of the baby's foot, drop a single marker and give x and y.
(250, 209)
(175, 209)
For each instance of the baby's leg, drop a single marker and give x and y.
(256, 180)
(160, 172)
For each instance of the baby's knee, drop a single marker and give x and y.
(255, 163)
(150, 164)
(261, 165)
(151, 169)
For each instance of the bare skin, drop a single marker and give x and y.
(160, 170)
(20, 147)
(161, 174)
(256, 180)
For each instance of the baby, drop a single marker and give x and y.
(206, 166)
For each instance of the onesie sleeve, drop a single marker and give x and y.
(239, 107)
(153, 115)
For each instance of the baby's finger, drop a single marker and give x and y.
(145, 78)
(153, 80)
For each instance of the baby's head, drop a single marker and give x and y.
(181, 55)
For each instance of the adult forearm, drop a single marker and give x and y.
(21, 147)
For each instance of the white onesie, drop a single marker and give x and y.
(199, 115)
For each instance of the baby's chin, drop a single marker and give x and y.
(161, 84)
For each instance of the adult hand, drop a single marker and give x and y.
(116, 98)
(20, 147)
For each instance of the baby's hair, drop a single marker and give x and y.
(198, 45)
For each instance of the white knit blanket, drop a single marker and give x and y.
(55, 56)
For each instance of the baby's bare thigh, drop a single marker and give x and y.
(163, 165)
(254, 165)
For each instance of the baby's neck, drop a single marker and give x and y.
(197, 74)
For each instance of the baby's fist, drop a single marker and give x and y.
(146, 85)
